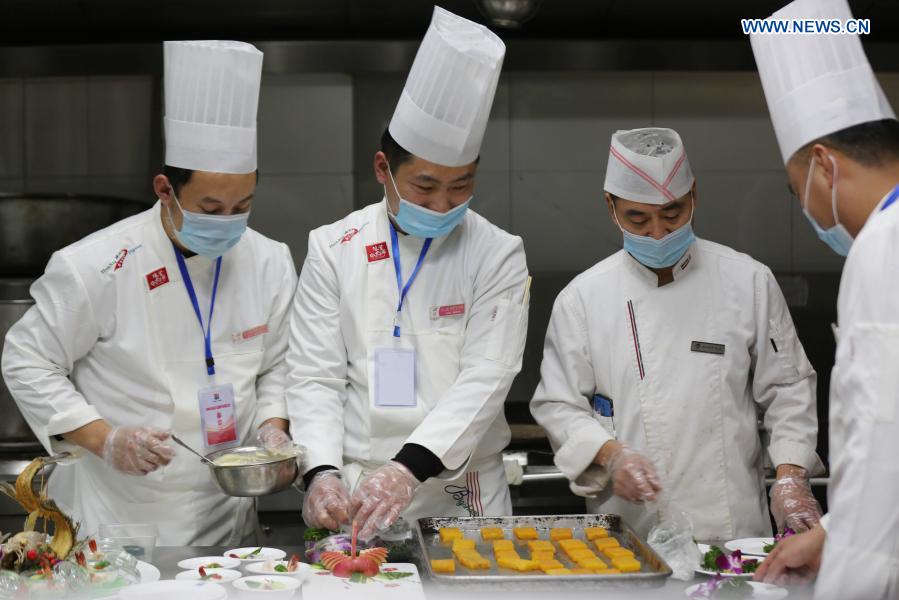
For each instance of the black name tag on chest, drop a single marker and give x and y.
(707, 347)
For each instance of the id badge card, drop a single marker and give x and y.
(394, 377)
(218, 415)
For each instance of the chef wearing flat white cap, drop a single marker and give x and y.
(840, 144)
(410, 317)
(659, 359)
(122, 348)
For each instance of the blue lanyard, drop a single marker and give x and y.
(400, 288)
(893, 195)
(182, 266)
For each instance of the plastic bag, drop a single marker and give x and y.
(672, 539)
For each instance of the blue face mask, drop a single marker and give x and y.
(209, 235)
(836, 237)
(423, 222)
(658, 254)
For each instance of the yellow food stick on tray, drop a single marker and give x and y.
(594, 533)
(560, 533)
(507, 554)
(626, 564)
(491, 533)
(541, 546)
(543, 555)
(618, 551)
(580, 571)
(525, 533)
(562, 571)
(603, 543)
(546, 565)
(507, 561)
(592, 563)
(448, 534)
(474, 561)
(567, 544)
(443, 565)
(459, 545)
(500, 545)
(580, 553)
(607, 572)
(528, 565)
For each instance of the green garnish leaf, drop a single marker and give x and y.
(314, 534)
(709, 558)
(393, 575)
(280, 568)
(253, 585)
(358, 578)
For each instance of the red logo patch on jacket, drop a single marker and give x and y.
(377, 252)
(157, 278)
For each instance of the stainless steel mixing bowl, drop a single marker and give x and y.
(255, 479)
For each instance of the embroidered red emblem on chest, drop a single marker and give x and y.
(157, 278)
(377, 252)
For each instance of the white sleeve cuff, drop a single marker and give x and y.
(792, 453)
(270, 410)
(577, 453)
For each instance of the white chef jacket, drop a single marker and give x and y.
(861, 554)
(113, 335)
(465, 317)
(691, 408)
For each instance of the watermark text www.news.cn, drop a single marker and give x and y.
(806, 26)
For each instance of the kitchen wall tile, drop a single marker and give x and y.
(749, 212)
(12, 119)
(563, 121)
(288, 207)
(722, 118)
(306, 124)
(563, 220)
(56, 140)
(119, 115)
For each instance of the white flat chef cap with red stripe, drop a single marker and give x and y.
(648, 165)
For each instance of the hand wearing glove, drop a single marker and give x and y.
(382, 497)
(273, 439)
(793, 504)
(137, 450)
(633, 475)
(327, 501)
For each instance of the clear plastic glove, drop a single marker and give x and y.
(137, 450)
(672, 539)
(633, 475)
(381, 498)
(327, 501)
(273, 439)
(793, 504)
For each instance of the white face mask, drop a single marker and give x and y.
(836, 237)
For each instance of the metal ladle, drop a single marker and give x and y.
(186, 447)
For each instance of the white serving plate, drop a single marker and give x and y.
(751, 546)
(302, 572)
(228, 575)
(760, 591)
(291, 585)
(190, 564)
(264, 554)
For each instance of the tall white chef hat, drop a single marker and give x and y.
(648, 165)
(442, 113)
(816, 85)
(211, 98)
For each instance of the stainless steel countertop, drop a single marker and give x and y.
(166, 559)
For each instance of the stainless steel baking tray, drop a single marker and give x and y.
(653, 573)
